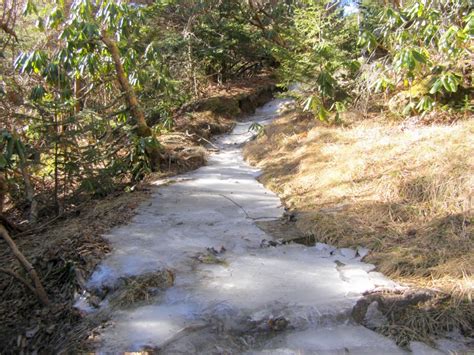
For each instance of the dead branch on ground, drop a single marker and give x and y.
(38, 287)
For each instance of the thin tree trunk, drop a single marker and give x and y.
(3, 191)
(30, 193)
(192, 69)
(56, 165)
(142, 128)
(137, 113)
(77, 95)
(39, 289)
(187, 32)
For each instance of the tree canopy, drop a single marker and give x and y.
(88, 86)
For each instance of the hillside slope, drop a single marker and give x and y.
(403, 191)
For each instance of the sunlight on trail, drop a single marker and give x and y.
(285, 299)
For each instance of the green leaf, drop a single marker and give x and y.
(408, 109)
(453, 83)
(20, 150)
(55, 18)
(444, 81)
(30, 8)
(3, 161)
(323, 114)
(469, 27)
(436, 86)
(37, 93)
(10, 147)
(419, 56)
(425, 104)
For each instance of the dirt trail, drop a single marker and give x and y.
(231, 293)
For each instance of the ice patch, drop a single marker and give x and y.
(229, 306)
(343, 339)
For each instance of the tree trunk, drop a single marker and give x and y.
(30, 193)
(3, 191)
(77, 95)
(39, 290)
(137, 113)
(187, 32)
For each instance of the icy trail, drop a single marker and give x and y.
(289, 299)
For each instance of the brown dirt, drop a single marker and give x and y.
(405, 192)
(66, 250)
(64, 255)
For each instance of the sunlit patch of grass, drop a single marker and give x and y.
(404, 192)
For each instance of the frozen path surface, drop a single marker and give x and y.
(289, 299)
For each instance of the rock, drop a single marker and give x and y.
(373, 317)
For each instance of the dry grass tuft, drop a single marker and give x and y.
(141, 289)
(424, 321)
(404, 192)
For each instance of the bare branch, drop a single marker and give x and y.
(38, 287)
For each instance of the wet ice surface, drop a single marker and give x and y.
(230, 307)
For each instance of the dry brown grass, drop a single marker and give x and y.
(404, 192)
(141, 289)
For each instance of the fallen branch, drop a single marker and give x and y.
(19, 278)
(201, 138)
(38, 287)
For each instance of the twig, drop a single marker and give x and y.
(243, 209)
(38, 287)
(8, 30)
(201, 138)
(235, 203)
(45, 224)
